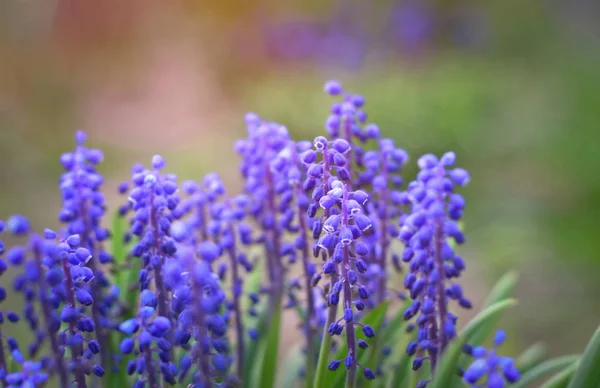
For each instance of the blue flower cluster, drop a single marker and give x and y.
(490, 368)
(53, 276)
(327, 219)
(429, 232)
(82, 211)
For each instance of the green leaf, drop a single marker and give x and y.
(125, 268)
(390, 333)
(562, 379)
(588, 373)
(125, 271)
(252, 284)
(117, 243)
(116, 379)
(322, 373)
(268, 355)
(502, 289)
(531, 358)
(301, 312)
(253, 346)
(12, 366)
(447, 367)
(401, 375)
(393, 329)
(543, 369)
(288, 377)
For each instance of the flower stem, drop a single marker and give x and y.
(198, 352)
(237, 286)
(441, 298)
(383, 226)
(310, 300)
(274, 246)
(350, 331)
(152, 381)
(79, 374)
(95, 288)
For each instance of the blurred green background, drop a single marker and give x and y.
(513, 87)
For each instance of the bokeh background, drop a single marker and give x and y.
(513, 87)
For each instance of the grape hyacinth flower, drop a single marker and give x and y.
(375, 171)
(144, 330)
(40, 283)
(381, 167)
(426, 233)
(344, 222)
(345, 122)
(213, 225)
(233, 233)
(55, 274)
(263, 184)
(82, 211)
(71, 287)
(341, 236)
(488, 367)
(202, 318)
(31, 375)
(153, 199)
(3, 268)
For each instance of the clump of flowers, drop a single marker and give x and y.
(188, 286)
(489, 367)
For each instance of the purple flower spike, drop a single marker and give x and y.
(435, 209)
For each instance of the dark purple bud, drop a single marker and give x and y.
(127, 345)
(348, 315)
(361, 266)
(334, 365)
(348, 361)
(368, 331)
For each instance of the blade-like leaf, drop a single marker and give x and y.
(531, 357)
(118, 250)
(116, 378)
(562, 379)
(252, 285)
(123, 276)
(288, 377)
(393, 328)
(543, 369)
(588, 373)
(267, 364)
(253, 346)
(402, 375)
(445, 373)
(502, 289)
(322, 372)
(390, 333)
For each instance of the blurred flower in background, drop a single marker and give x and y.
(512, 87)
